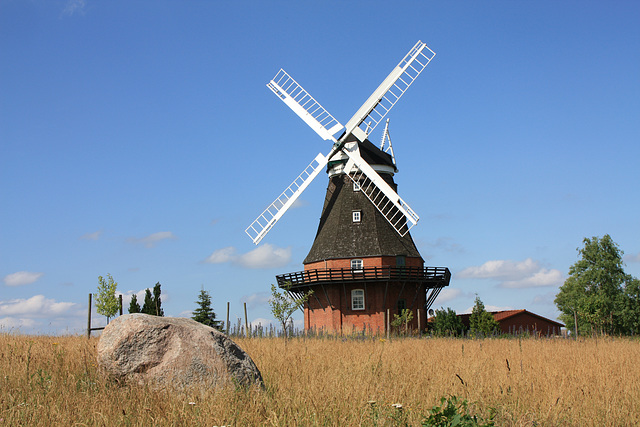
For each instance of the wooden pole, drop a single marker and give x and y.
(89, 319)
(120, 299)
(246, 321)
(418, 316)
(575, 321)
(388, 324)
(228, 318)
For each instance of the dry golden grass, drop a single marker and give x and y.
(55, 381)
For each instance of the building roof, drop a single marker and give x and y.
(501, 316)
(339, 237)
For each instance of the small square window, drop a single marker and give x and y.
(356, 186)
(357, 299)
(356, 265)
(356, 216)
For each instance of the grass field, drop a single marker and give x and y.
(522, 382)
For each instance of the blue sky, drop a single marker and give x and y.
(139, 139)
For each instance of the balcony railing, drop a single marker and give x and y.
(433, 277)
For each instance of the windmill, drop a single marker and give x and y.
(339, 246)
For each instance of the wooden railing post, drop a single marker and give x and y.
(89, 319)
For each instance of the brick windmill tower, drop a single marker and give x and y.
(363, 265)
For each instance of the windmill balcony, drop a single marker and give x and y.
(432, 277)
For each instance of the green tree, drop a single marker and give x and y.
(148, 307)
(157, 302)
(106, 302)
(401, 319)
(204, 313)
(283, 305)
(594, 292)
(481, 322)
(152, 302)
(134, 307)
(446, 323)
(630, 306)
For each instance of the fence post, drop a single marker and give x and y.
(120, 299)
(418, 316)
(228, 325)
(388, 325)
(89, 319)
(246, 322)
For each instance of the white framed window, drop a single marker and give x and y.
(356, 265)
(357, 216)
(356, 186)
(357, 299)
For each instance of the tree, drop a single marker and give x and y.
(403, 318)
(106, 302)
(148, 307)
(593, 294)
(284, 305)
(134, 307)
(446, 323)
(204, 313)
(152, 303)
(481, 322)
(157, 302)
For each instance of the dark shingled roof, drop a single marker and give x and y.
(339, 237)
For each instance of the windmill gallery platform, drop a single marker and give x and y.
(363, 266)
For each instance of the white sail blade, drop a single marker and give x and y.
(399, 214)
(390, 90)
(267, 219)
(304, 105)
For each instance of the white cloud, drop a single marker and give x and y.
(37, 307)
(153, 239)
(448, 294)
(91, 236)
(541, 278)
(21, 278)
(221, 256)
(514, 274)
(256, 300)
(265, 256)
(632, 258)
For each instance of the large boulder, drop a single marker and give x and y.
(172, 351)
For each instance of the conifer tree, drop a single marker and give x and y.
(481, 322)
(148, 307)
(134, 307)
(157, 302)
(204, 313)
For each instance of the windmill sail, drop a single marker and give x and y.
(304, 105)
(267, 219)
(390, 90)
(395, 210)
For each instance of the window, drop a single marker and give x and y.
(356, 216)
(401, 261)
(356, 186)
(402, 304)
(356, 265)
(357, 299)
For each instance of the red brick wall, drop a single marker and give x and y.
(338, 316)
(384, 261)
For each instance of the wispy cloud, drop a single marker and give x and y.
(91, 236)
(21, 278)
(152, 239)
(264, 256)
(632, 258)
(74, 6)
(258, 299)
(514, 274)
(448, 294)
